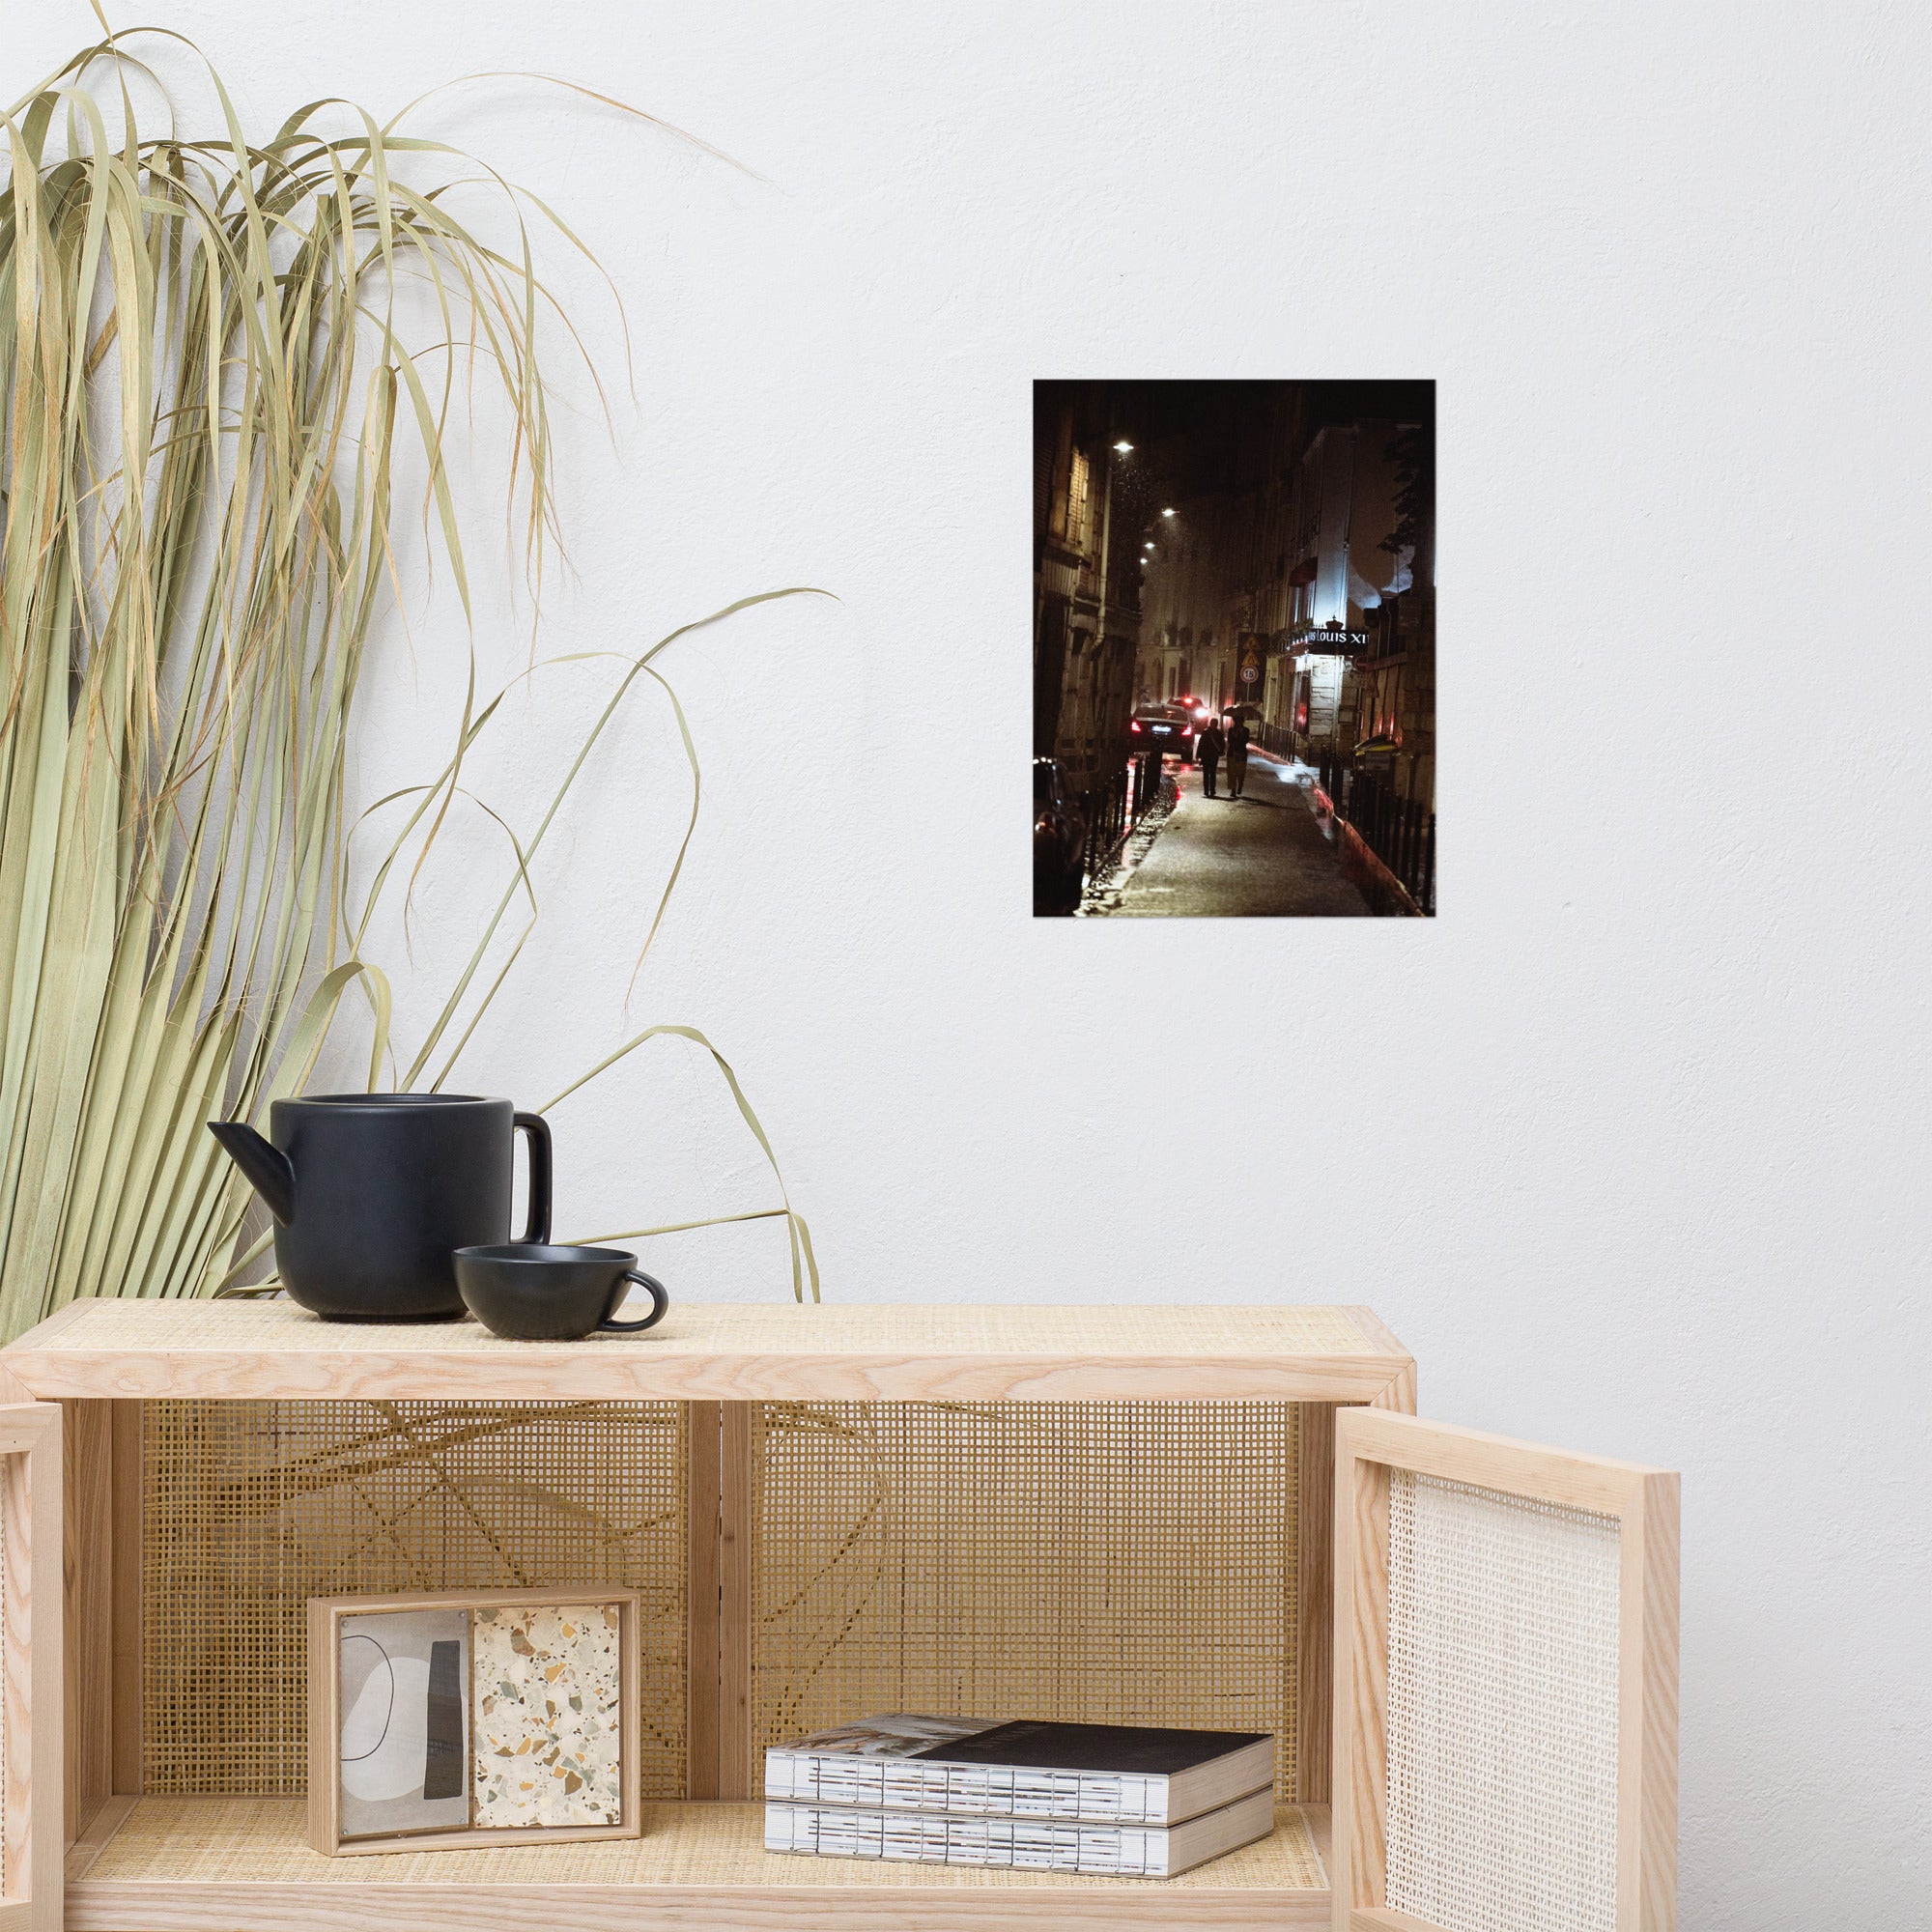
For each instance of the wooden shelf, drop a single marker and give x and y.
(733, 1352)
(240, 1864)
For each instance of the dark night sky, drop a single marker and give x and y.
(1194, 428)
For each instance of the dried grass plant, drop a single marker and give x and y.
(209, 384)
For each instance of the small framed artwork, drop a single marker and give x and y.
(477, 1718)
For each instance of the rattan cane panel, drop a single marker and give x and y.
(1502, 1710)
(211, 1842)
(250, 1508)
(1106, 1562)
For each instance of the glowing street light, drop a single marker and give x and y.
(1167, 513)
(1124, 447)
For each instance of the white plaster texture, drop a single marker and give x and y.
(1630, 1145)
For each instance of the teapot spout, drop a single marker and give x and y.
(266, 1166)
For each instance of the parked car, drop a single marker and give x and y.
(1059, 839)
(1163, 728)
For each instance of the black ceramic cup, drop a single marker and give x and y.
(529, 1292)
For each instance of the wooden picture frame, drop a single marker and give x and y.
(325, 1618)
(1372, 1445)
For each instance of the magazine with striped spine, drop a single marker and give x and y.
(1025, 1844)
(1081, 1774)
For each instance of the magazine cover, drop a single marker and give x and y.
(895, 1735)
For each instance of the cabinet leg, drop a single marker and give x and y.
(703, 1452)
(128, 1770)
(1315, 1654)
(735, 1778)
(718, 1572)
(88, 1568)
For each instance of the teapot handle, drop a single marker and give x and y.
(538, 1128)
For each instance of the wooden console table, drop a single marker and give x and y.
(134, 1859)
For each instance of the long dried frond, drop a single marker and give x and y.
(206, 381)
(213, 363)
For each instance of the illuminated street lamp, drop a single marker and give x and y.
(1167, 513)
(1121, 447)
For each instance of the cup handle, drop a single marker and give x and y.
(660, 1300)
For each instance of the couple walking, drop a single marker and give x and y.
(1213, 746)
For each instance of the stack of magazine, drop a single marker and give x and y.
(1104, 1799)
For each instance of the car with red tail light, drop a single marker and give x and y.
(1167, 729)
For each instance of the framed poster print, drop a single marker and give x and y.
(476, 1718)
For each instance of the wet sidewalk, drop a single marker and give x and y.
(1259, 856)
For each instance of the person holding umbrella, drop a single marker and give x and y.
(1238, 755)
(1208, 750)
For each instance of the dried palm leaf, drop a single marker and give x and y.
(207, 380)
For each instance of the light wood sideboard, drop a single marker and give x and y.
(955, 1467)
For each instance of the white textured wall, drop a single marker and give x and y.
(1630, 1145)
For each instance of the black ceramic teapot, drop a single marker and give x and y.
(373, 1192)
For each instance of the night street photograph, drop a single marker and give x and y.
(1233, 649)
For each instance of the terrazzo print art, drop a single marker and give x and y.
(546, 1728)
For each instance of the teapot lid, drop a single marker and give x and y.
(389, 1100)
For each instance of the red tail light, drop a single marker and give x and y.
(1135, 726)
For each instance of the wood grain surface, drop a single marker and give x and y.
(730, 1353)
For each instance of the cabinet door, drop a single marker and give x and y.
(1505, 1685)
(30, 1667)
